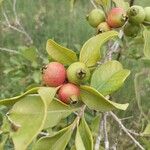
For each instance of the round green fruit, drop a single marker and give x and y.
(95, 17)
(103, 27)
(116, 17)
(69, 93)
(78, 73)
(131, 30)
(147, 14)
(136, 14)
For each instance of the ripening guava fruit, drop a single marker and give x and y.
(69, 93)
(103, 27)
(116, 17)
(78, 73)
(131, 30)
(136, 14)
(95, 17)
(54, 74)
(147, 14)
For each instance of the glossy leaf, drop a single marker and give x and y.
(57, 111)
(90, 52)
(85, 135)
(94, 100)
(13, 100)
(56, 142)
(78, 141)
(146, 34)
(29, 115)
(147, 130)
(60, 53)
(47, 93)
(109, 77)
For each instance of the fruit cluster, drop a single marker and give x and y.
(55, 74)
(117, 17)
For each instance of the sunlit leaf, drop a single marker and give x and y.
(60, 53)
(90, 52)
(57, 111)
(94, 100)
(85, 136)
(109, 77)
(13, 100)
(47, 93)
(56, 142)
(29, 115)
(78, 141)
(147, 130)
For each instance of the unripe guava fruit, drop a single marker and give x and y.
(103, 27)
(78, 73)
(95, 17)
(131, 30)
(116, 17)
(136, 14)
(54, 74)
(69, 93)
(147, 14)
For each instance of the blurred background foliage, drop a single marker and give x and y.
(65, 22)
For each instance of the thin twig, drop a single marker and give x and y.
(99, 136)
(134, 133)
(126, 118)
(22, 30)
(79, 116)
(114, 47)
(126, 130)
(92, 2)
(9, 50)
(106, 141)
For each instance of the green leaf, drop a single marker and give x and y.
(29, 53)
(109, 77)
(47, 93)
(56, 142)
(146, 34)
(78, 141)
(57, 111)
(29, 115)
(94, 100)
(60, 53)
(122, 4)
(147, 130)
(90, 52)
(85, 135)
(13, 100)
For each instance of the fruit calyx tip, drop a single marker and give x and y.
(81, 73)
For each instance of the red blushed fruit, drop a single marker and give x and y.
(69, 93)
(54, 74)
(116, 17)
